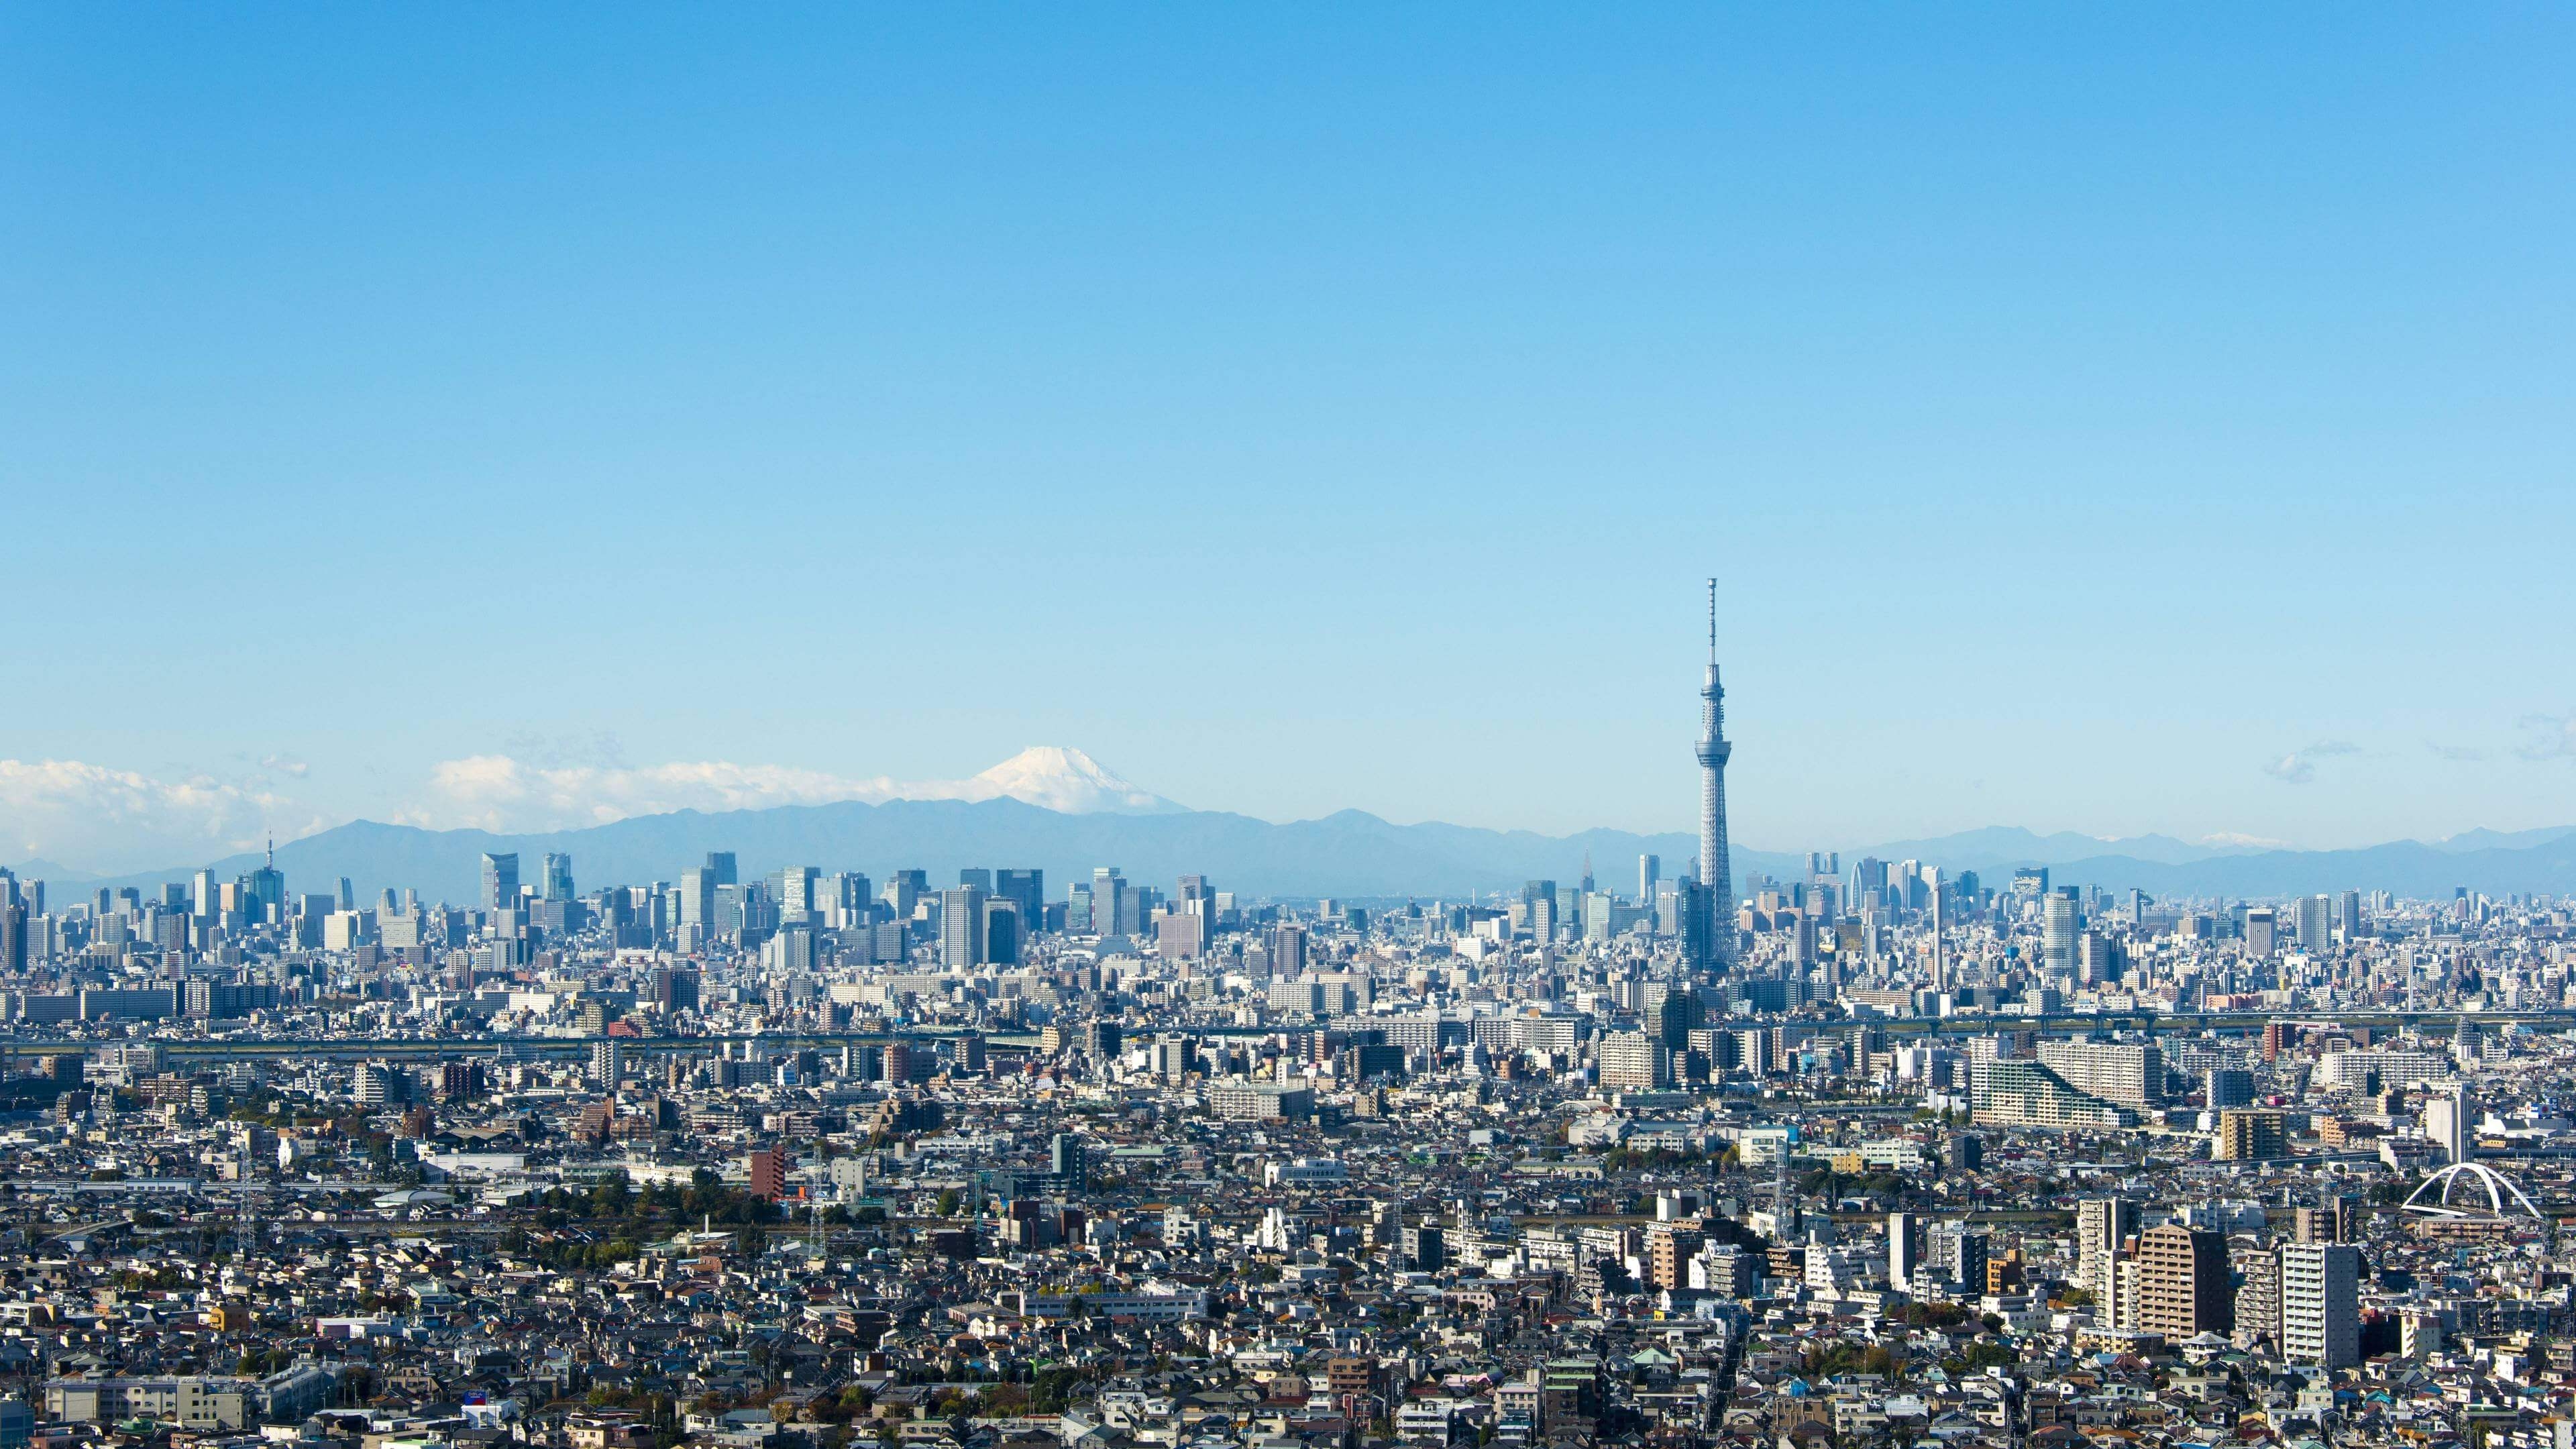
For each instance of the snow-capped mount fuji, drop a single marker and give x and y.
(1068, 782)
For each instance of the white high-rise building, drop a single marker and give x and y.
(2102, 1224)
(2321, 1304)
(2131, 1075)
(2316, 924)
(1634, 1061)
(2057, 935)
(1904, 1259)
(2446, 1124)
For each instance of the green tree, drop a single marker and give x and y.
(612, 1197)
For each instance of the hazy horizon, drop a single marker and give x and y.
(541, 802)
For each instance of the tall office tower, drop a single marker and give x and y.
(2446, 1124)
(1065, 1161)
(2321, 1304)
(1027, 890)
(1567, 918)
(1077, 908)
(500, 880)
(1003, 931)
(674, 988)
(796, 887)
(961, 927)
(2182, 1282)
(205, 898)
(2097, 961)
(2316, 923)
(1904, 1251)
(1196, 899)
(1905, 887)
(977, 876)
(1869, 877)
(1650, 872)
(558, 876)
(720, 869)
(348, 895)
(1287, 951)
(1109, 906)
(697, 897)
(2260, 929)
(841, 899)
(1671, 1014)
(1538, 897)
(2030, 883)
(1714, 870)
(13, 938)
(904, 890)
(2057, 934)
(2348, 914)
(2102, 1224)
(1938, 921)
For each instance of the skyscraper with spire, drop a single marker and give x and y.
(1717, 877)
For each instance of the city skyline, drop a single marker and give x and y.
(859, 727)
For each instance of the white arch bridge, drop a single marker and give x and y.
(2502, 1195)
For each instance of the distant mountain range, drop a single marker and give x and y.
(1349, 854)
(1060, 811)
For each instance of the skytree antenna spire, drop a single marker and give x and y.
(1717, 877)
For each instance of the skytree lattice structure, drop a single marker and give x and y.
(1717, 876)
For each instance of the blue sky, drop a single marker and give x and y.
(2119, 419)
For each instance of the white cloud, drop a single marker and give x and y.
(107, 820)
(499, 792)
(2299, 766)
(2549, 737)
(505, 793)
